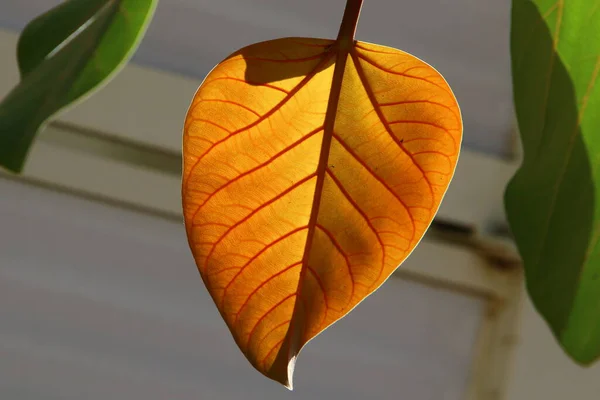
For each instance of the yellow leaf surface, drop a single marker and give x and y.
(312, 168)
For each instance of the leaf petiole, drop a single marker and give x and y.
(349, 22)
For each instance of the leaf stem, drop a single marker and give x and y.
(349, 22)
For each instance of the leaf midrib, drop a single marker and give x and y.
(328, 130)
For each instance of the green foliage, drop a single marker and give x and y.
(63, 55)
(553, 202)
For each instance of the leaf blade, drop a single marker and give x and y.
(67, 65)
(309, 166)
(551, 202)
(48, 31)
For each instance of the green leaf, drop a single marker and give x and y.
(64, 55)
(553, 201)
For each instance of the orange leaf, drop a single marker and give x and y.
(312, 168)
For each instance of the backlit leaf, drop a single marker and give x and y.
(312, 168)
(553, 202)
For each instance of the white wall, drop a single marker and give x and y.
(542, 370)
(99, 302)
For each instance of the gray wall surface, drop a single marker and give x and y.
(98, 302)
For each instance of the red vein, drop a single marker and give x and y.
(261, 207)
(212, 224)
(220, 271)
(416, 67)
(389, 71)
(253, 330)
(228, 102)
(262, 284)
(194, 138)
(429, 140)
(254, 257)
(250, 171)
(362, 213)
(237, 255)
(265, 358)
(230, 78)
(207, 121)
(276, 108)
(363, 79)
(439, 153)
(399, 224)
(397, 103)
(359, 46)
(378, 179)
(320, 283)
(271, 331)
(410, 121)
(325, 300)
(342, 253)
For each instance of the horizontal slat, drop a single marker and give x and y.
(99, 176)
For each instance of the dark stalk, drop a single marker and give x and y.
(349, 23)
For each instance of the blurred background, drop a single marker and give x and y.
(100, 297)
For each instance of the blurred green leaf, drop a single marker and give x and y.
(553, 201)
(63, 55)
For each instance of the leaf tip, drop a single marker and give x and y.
(12, 166)
(583, 356)
(282, 369)
(283, 373)
(290, 374)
